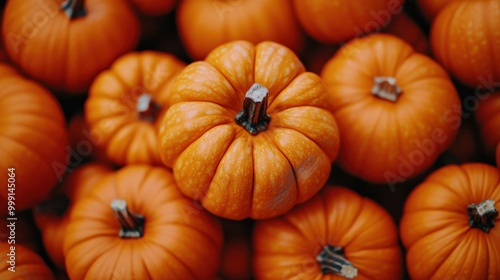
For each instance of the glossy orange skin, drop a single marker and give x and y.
(285, 247)
(34, 28)
(33, 139)
(435, 230)
(75, 186)
(28, 264)
(154, 7)
(487, 118)
(180, 241)
(469, 52)
(205, 24)
(385, 141)
(110, 110)
(233, 173)
(339, 21)
(407, 29)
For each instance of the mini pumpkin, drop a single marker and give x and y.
(125, 105)
(397, 109)
(339, 21)
(21, 263)
(64, 44)
(248, 132)
(487, 116)
(336, 235)
(448, 225)
(33, 138)
(136, 224)
(204, 25)
(469, 52)
(52, 215)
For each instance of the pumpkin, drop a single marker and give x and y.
(339, 21)
(407, 29)
(469, 52)
(125, 102)
(152, 8)
(204, 25)
(136, 224)
(487, 116)
(52, 215)
(83, 37)
(448, 224)
(248, 132)
(31, 118)
(337, 234)
(21, 263)
(396, 109)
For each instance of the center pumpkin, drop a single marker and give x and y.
(248, 132)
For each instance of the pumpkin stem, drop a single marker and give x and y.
(74, 8)
(481, 215)
(132, 224)
(332, 260)
(386, 88)
(57, 204)
(253, 116)
(147, 108)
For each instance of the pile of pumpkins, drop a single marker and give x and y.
(232, 139)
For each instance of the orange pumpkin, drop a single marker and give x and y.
(248, 132)
(339, 21)
(34, 141)
(204, 25)
(487, 117)
(83, 37)
(469, 52)
(397, 109)
(448, 224)
(52, 216)
(154, 7)
(136, 224)
(338, 234)
(26, 264)
(125, 103)
(407, 29)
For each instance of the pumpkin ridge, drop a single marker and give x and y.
(297, 187)
(492, 53)
(198, 231)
